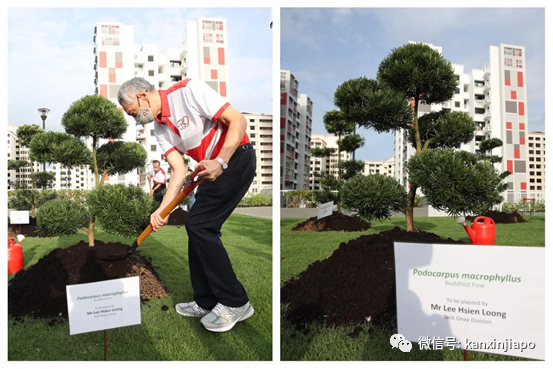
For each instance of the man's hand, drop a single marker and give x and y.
(213, 169)
(149, 176)
(157, 221)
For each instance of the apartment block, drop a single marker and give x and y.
(536, 164)
(496, 99)
(296, 113)
(326, 165)
(384, 167)
(260, 131)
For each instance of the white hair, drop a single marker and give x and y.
(127, 91)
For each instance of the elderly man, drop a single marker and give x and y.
(158, 174)
(191, 118)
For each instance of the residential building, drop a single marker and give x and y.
(260, 131)
(16, 151)
(384, 167)
(327, 165)
(296, 113)
(536, 164)
(496, 99)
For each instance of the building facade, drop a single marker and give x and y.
(260, 131)
(536, 164)
(384, 167)
(327, 165)
(496, 99)
(296, 113)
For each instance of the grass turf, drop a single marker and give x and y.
(164, 335)
(300, 249)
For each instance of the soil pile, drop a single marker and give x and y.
(39, 291)
(502, 217)
(335, 222)
(178, 217)
(356, 282)
(28, 230)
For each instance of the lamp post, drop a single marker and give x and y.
(44, 114)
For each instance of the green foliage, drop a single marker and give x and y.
(328, 182)
(56, 147)
(123, 210)
(419, 73)
(27, 198)
(367, 103)
(457, 182)
(351, 168)
(17, 164)
(94, 116)
(336, 123)
(351, 142)
(43, 179)
(73, 195)
(26, 132)
(62, 217)
(296, 198)
(257, 199)
(322, 152)
(120, 157)
(519, 206)
(375, 196)
(444, 129)
(488, 145)
(326, 196)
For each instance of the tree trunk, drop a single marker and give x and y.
(97, 184)
(91, 232)
(416, 126)
(409, 216)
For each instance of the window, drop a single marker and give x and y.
(208, 37)
(510, 106)
(508, 51)
(518, 52)
(152, 132)
(478, 83)
(150, 58)
(220, 38)
(479, 110)
(151, 73)
(218, 25)
(519, 63)
(207, 24)
(457, 104)
(153, 148)
(508, 62)
(457, 90)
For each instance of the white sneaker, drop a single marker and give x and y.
(222, 318)
(191, 309)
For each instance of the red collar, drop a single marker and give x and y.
(165, 112)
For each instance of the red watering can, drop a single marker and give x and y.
(482, 231)
(15, 255)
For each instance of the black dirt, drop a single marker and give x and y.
(164, 308)
(502, 217)
(335, 222)
(39, 290)
(28, 230)
(178, 217)
(357, 281)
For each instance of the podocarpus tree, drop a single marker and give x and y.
(336, 124)
(92, 118)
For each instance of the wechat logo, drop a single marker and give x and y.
(398, 341)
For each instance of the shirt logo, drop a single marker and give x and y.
(183, 122)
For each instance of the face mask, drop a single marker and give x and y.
(145, 115)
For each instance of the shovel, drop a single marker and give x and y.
(177, 200)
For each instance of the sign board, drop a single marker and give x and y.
(490, 298)
(325, 209)
(19, 216)
(103, 305)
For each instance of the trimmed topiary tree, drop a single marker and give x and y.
(62, 217)
(457, 182)
(375, 196)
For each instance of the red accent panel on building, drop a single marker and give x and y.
(282, 123)
(214, 74)
(507, 82)
(517, 153)
(119, 65)
(282, 137)
(509, 125)
(223, 88)
(510, 166)
(522, 140)
(522, 185)
(221, 54)
(513, 95)
(520, 108)
(206, 61)
(283, 97)
(520, 79)
(521, 126)
(104, 91)
(103, 59)
(112, 77)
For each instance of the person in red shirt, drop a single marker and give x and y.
(190, 118)
(158, 174)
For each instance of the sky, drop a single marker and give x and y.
(50, 54)
(325, 47)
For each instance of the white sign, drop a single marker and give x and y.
(19, 216)
(491, 298)
(103, 305)
(325, 209)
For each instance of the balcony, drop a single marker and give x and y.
(487, 128)
(487, 101)
(487, 115)
(478, 103)
(487, 70)
(487, 86)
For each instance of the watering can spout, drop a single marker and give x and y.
(471, 233)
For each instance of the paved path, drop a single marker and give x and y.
(261, 212)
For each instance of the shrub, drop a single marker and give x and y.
(325, 196)
(257, 199)
(123, 210)
(62, 217)
(519, 206)
(293, 199)
(373, 197)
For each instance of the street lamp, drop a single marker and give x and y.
(44, 114)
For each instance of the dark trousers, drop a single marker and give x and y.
(211, 273)
(158, 196)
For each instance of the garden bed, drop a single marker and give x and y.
(356, 282)
(28, 230)
(502, 217)
(39, 291)
(178, 217)
(335, 222)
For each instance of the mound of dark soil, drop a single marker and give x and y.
(502, 217)
(335, 222)
(356, 282)
(178, 217)
(28, 230)
(39, 291)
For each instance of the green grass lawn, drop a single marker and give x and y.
(164, 335)
(299, 249)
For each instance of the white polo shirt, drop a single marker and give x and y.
(159, 176)
(190, 111)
